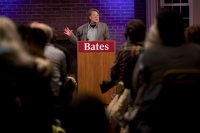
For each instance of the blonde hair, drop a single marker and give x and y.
(192, 34)
(10, 39)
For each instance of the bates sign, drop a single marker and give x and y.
(96, 46)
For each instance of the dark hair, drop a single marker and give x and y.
(171, 27)
(38, 37)
(192, 34)
(91, 108)
(135, 30)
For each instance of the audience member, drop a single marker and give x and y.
(25, 96)
(87, 114)
(171, 48)
(35, 41)
(121, 73)
(62, 85)
(171, 53)
(56, 56)
(192, 34)
(126, 59)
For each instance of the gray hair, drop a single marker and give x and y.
(11, 41)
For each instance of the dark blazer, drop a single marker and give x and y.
(81, 34)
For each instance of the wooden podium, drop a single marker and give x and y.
(94, 61)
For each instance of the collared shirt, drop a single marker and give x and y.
(92, 33)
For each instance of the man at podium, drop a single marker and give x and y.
(95, 55)
(93, 30)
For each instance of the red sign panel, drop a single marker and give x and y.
(96, 46)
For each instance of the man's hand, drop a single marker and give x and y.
(67, 31)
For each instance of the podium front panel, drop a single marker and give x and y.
(93, 68)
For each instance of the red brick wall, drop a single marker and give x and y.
(72, 13)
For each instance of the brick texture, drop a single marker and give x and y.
(140, 10)
(72, 13)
